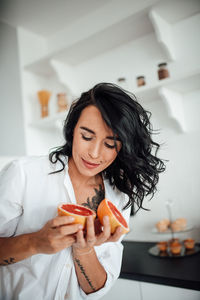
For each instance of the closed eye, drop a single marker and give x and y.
(110, 146)
(86, 138)
(90, 138)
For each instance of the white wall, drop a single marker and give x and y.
(181, 181)
(11, 110)
(39, 141)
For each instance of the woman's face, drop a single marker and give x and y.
(93, 147)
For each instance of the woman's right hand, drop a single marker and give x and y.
(57, 234)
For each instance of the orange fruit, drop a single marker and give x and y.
(79, 212)
(107, 208)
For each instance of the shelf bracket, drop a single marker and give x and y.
(174, 105)
(163, 33)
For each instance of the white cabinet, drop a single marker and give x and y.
(137, 290)
(124, 289)
(151, 291)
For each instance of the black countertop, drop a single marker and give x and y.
(138, 264)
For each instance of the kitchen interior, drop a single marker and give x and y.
(52, 51)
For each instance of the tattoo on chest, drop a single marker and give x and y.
(96, 199)
(8, 261)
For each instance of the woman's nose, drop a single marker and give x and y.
(94, 150)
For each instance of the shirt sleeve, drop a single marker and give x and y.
(110, 257)
(11, 197)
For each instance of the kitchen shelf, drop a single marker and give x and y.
(77, 48)
(171, 91)
(182, 84)
(74, 45)
(164, 34)
(41, 67)
(60, 62)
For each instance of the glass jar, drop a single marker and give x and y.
(62, 102)
(163, 71)
(140, 81)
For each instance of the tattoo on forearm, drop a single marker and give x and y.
(84, 274)
(8, 261)
(94, 202)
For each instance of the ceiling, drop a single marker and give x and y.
(47, 17)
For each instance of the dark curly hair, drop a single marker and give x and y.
(136, 168)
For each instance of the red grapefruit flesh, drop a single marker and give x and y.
(79, 212)
(107, 208)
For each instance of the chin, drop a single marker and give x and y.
(92, 172)
(89, 173)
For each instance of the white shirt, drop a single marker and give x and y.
(28, 199)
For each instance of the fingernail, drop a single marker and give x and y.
(80, 226)
(71, 218)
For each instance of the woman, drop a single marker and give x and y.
(108, 153)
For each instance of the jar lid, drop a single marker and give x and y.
(162, 65)
(61, 94)
(121, 79)
(140, 77)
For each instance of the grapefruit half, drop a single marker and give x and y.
(79, 212)
(107, 208)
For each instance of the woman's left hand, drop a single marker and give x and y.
(85, 243)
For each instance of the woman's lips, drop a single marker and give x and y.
(89, 165)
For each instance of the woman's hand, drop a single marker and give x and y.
(84, 244)
(56, 235)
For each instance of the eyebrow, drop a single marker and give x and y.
(91, 131)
